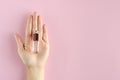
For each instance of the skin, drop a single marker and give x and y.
(34, 61)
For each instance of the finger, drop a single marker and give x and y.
(40, 27)
(35, 22)
(19, 41)
(45, 34)
(28, 31)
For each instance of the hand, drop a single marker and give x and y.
(26, 49)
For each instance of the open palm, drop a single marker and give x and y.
(26, 48)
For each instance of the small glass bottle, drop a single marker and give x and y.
(35, 44)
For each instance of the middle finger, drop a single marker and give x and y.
(35, 26)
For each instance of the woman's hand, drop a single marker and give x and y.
(39, 42)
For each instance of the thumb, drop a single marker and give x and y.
(19, 41)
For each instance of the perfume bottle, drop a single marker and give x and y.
(35, 44)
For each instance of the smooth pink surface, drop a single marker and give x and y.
(84, 38)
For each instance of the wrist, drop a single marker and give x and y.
(34, 68)
(35, 73)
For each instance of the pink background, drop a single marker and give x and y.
(84, 38)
